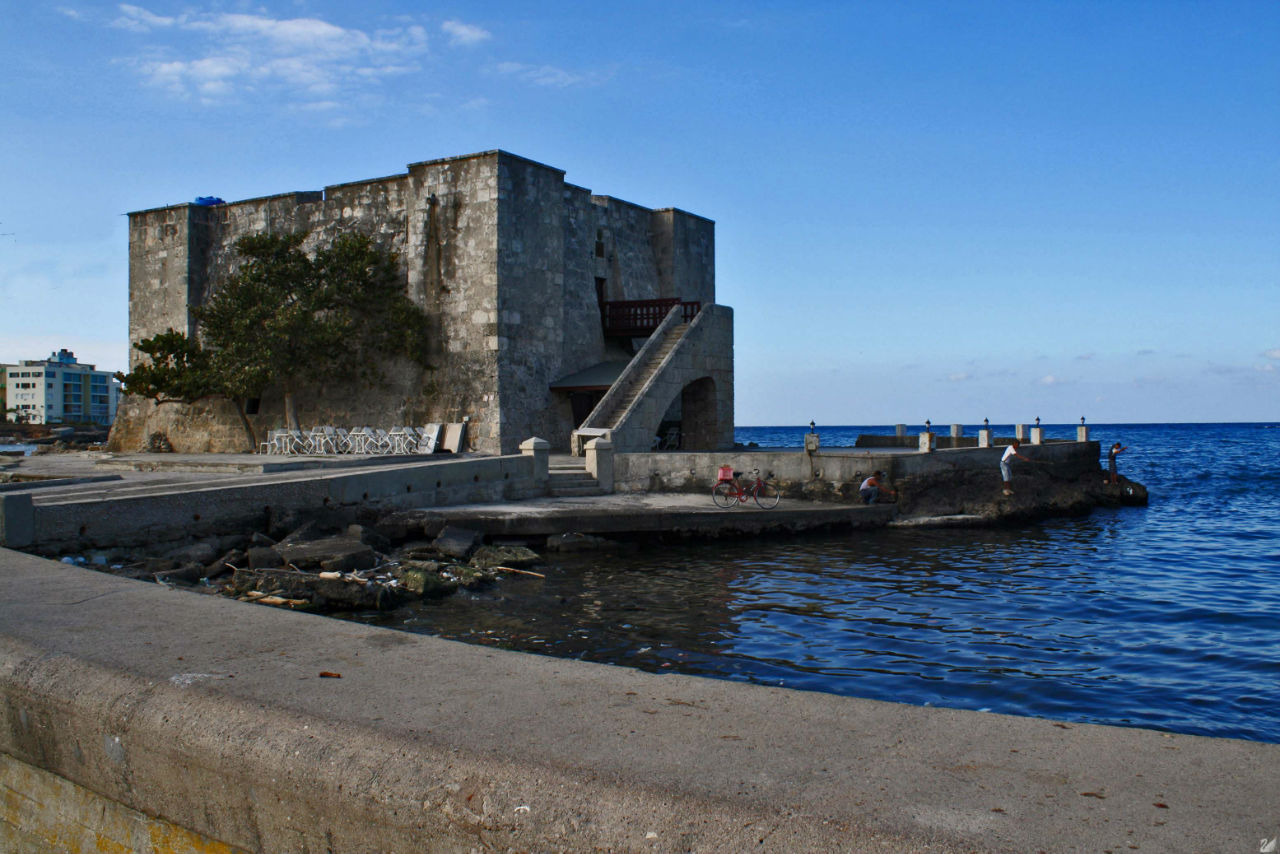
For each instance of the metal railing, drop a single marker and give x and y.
(639, 318)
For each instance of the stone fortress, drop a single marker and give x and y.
(554, 312)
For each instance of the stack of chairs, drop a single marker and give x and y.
(406, 440)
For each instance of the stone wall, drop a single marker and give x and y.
(835, 476)
(685, 247)
(531, 302)
(500, 252)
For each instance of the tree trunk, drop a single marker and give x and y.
(290, 407)
(248, 428)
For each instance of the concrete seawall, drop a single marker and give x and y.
(159, 514)
(211, 715)
(50, 522)
(829, 471)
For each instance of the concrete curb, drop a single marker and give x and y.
(211, 713)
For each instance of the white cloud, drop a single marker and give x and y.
(1049, 379)
(1273, 353)
(958, 378)
(293, 35)
(73, 14)
(547, 75)
(139, 20)
(1266, 367)
(464, 35)
(302, 59)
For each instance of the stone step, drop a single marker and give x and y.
(571, 480)
(574, 491)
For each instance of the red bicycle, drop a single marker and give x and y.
(729, 492)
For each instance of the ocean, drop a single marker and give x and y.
(1164, 616)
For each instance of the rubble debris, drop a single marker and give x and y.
(487, 557)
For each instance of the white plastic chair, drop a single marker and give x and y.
(361, 440)
(296, 442)
(404, 440)
(325, 441)
(272, 444)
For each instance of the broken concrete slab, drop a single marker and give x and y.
(403, 525)
(202, 552)
(457, 542)
(339, 554)
(263, 557)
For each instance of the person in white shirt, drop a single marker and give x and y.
(872, 487)
(1006, 464)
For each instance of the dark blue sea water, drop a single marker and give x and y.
(1165, 616)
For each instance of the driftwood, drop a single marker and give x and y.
(518, 571)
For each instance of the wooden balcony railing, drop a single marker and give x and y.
(638, 318)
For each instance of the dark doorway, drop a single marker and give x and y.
(582, 402)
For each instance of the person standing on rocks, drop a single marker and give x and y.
(1006, 464)
(1113, 476)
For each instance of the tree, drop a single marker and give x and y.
(180, 371)
(291, 319)
(283, 319)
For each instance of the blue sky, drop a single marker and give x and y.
(945, 210)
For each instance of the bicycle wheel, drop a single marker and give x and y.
(724, 495)
(767, 494)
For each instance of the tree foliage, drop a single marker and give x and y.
(181, 371)
(178, 370)
(285, 318)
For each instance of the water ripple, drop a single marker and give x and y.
(1159, 617)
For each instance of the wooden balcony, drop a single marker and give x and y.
(638, 318)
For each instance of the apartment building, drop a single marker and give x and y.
(60, 390)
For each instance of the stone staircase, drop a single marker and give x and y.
(656, 357)
(571, 480)
(678, 355)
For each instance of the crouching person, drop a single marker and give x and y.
(872, 489)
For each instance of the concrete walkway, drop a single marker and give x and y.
(213, 714)
(87, 472)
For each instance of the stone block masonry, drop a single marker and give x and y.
(509, 262)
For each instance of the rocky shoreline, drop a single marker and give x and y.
(326, 563)
(366, 559)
